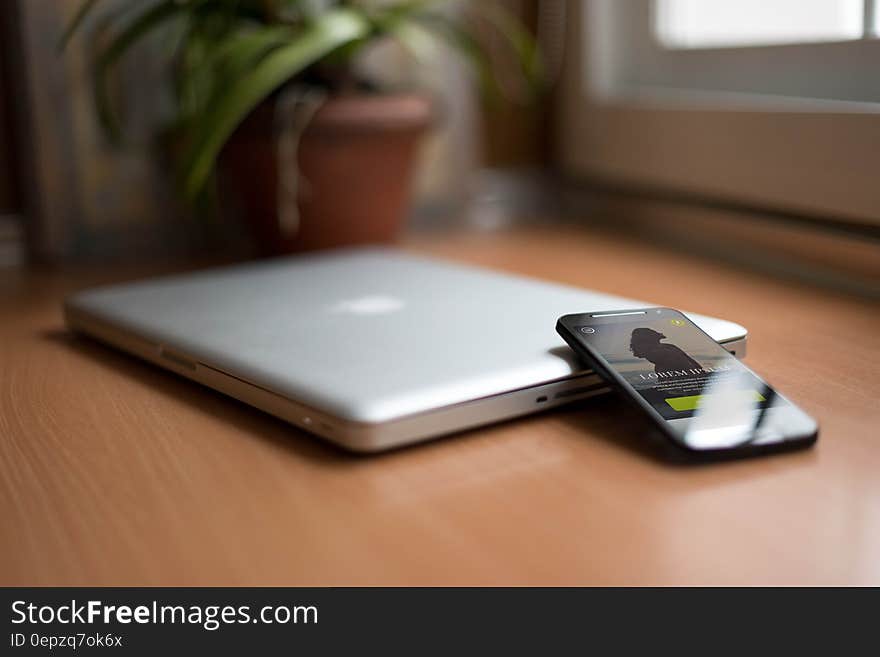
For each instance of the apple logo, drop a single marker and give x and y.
(371, 304)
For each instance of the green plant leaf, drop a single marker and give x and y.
(418, 41)
(327, 33)
(136, 29)
(242, 50)
(222, 63)
(84, 10)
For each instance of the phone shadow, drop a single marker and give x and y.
(611, 419)
(607, 417)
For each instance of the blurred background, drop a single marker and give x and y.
(748, 130)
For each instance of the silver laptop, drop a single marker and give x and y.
(369, 348)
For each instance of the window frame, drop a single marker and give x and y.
(813, 156)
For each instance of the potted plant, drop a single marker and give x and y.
(271, 111)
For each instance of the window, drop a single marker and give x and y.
(665, 45)
(721, 23)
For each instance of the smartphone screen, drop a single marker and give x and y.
(700, 394)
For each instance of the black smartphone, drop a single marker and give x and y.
(704, 401)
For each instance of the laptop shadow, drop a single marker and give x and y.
(250, 421)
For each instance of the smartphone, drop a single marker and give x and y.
(703, 400)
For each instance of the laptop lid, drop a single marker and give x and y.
(367, 335)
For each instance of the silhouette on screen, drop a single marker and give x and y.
(645, 343)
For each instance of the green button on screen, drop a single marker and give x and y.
(693, 402)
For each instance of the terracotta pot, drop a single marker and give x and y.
(356, 159)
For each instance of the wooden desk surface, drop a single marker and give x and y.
(114, 472)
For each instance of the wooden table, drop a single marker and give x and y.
(113, 472)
